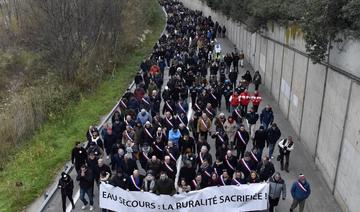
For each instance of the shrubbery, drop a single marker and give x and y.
(320, 20)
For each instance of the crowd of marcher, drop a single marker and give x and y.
(150, 135)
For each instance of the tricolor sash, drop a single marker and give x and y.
(210, 113)
(245, 164)
(171, 155)
(134, 182)
(194, 183)
(157, 147)
(168, 105)
(123, 103)
(301, 186)
(147, 132)
(222, 180)
(207, 173)
(168, 121)
(221, 139)
(236, 181)
(197, 106)
(241, 138)
(203, 122)
(254, 156)
(201, 158)
(181, 107)
(168, 167)
(128, 136)
(237, 113)
(147, 158)
(213, 96)
(228, 163)
(144, 100)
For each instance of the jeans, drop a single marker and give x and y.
(89, 192)
(265, 125)
(296, 202)
(259, 153)
(271, 150)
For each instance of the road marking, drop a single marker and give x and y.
(76, 198)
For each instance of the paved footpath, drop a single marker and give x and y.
(320, 200)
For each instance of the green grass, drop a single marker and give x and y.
(42, 157)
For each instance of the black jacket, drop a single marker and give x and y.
(260, 137)
(66, 186)
(266, 171)
(272, 135)
(78, 156)
(86, 181)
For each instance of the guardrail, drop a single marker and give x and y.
(68, 166)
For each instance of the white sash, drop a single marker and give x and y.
(197, 106)
(216, 172)
(228, 163)
(181, 107)
(134, 182)
(241, 138)
(301, 186)
(147, 158)
(158, 121)
(221, 139)
(194, 183)
(171, 155)
(157, 147)
(168, 167)
(168, 105)
(201, 158)
(144, 100)
(237, 182)
(128, 136)
(222, 180)
(207, 110)
(169, 122)
(237, 113)
(147, 132)
(254, 156)
(181, 120)
(207, 173)
(213, 96)
(245, 164)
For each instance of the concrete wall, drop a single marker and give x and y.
(321, 101)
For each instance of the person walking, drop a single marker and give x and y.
(66, 184)
(277, 188)
(266, 116)
(257, 80)
(272, 136)
(300, 191)
(285, 147)
(86, 181)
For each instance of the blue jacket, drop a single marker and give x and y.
(174, 136)
(267, 116)
(143, 118)
(298, 193)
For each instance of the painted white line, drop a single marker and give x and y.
(76, 198)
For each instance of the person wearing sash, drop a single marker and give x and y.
(181, 119)
(169, 167)
(158, 145)
(204, 155)
(144, 155)
(203, 126)
(169, 106)
(197, 183)
(158, 121)
(218, 166)
(135, 181)
(128, 135)
(265, 169)
(224, 178)
(145, 103)
(168, 122)
(277, 188)
(241, 141)
(220, 139)
(181, 107)
(285, 148)
(193, 125)
(238, 178)
(155, 101)
(210, 112)
(148, 134)
(213, 98)
(186, 142)
(253, 178)
(172, 151)
(205, 169)
(246, 165)
(300, 191)
(230, 162)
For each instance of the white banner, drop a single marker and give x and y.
(250, 197)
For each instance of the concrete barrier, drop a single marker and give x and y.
(321, 101)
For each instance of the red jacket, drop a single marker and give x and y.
(234, 100)
(256, 99)
(244, 98)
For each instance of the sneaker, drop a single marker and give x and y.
(83, 207)
(91, 207)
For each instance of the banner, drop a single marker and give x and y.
(250, 197)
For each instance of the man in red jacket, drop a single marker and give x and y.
(234, 101)
(244, 101)
(256, 100)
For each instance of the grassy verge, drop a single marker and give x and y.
(37, 162)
